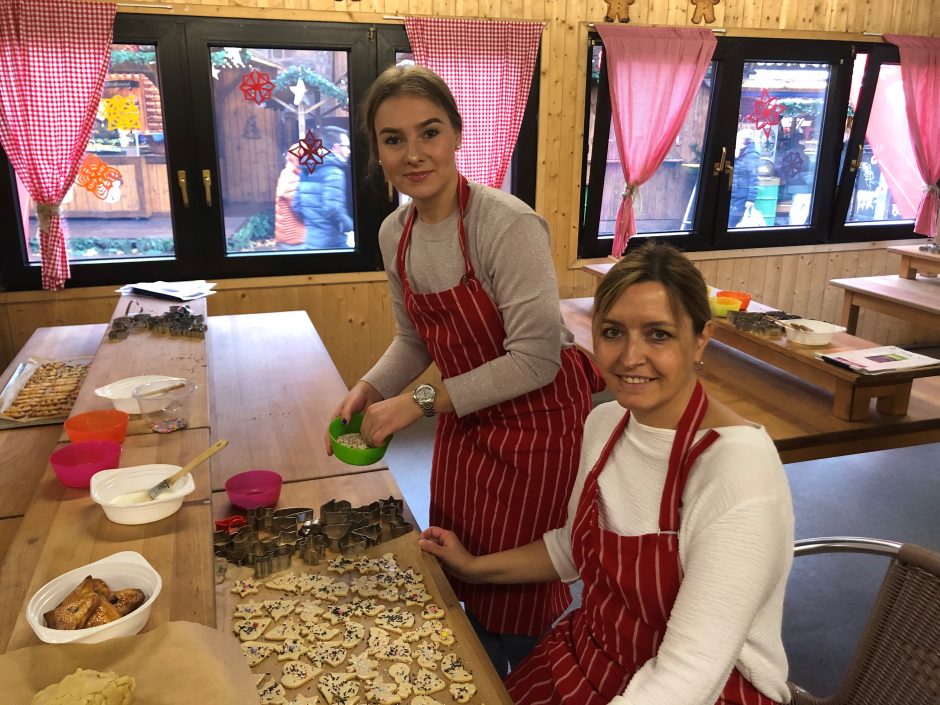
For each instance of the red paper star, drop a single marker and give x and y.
(766, 112)
(309, 151)
(96, 176)
(256, 86)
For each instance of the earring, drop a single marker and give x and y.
(699, 364)
(380, 162)
(458, 145)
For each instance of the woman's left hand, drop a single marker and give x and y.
(384, 418)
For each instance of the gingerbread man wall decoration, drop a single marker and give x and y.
(618, 9)
(704, 9)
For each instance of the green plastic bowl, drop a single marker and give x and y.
(354, 456)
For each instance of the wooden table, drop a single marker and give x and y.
(147, 353)
(274, 389)
(797, 415)
(916, 261)
(915, 300)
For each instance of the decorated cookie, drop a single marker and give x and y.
(394, 620)
(298, 673)
(364, 668)
(338, 686)
(353, 634)
(310, 612)
(278, 609)
(400, 673)
(341, 565)
(257, 651)
(432, 611)
(284, 583)
(272, 694)
(288, 629)
(291, 650)
(250, 629)
(428, 654)
(396, 650)
(426, 683)
(462, 692)
(246, 587)
(383, 693)
(247, 610)
(452, 667)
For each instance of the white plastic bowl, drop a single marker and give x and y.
(126, 569)
(121, 393)
(820, 332)
(108, 485)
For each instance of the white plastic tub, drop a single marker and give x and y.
(121, 392)
(108, 485)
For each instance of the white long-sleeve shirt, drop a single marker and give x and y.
(735, 546)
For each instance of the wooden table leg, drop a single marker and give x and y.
(907, 271)
(849, 312)
(847, 403)
(895, 403)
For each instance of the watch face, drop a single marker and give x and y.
(424, 392)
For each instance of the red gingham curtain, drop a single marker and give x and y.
(654, 75)
(54, 55)
(487, 65)
(920, 74)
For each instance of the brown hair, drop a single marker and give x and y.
(405, 80)
(656, 262)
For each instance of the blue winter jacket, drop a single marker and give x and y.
(322, 202)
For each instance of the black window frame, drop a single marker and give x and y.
(834, 181)
(199, 235)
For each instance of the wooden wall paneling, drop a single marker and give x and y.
(779, 14)
(357, 329)
(925, 19)
(740, 274)
(786, 289)
(724, 275)
(831, 307)
(901, 16)
(771, 291)
(445, 8)
(751, 13)
(709, 270)
(756, 280)
(571, 123)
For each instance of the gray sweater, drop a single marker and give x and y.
(510, 249)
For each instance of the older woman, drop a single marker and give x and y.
(680, 523)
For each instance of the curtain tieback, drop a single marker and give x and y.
(632, 191)
(46, 212)
(932, 187)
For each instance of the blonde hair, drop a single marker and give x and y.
(405, 80)
(664, 264)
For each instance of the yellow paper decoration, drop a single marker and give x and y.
(122, 113)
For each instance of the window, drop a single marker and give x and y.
(760, 160)
(201, 145)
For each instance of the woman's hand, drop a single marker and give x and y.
(447, 548)
(389, 416)
(359, 398)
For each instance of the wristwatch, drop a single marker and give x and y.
(424, 395)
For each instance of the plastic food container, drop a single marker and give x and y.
(254, 488)
(818, 333)
(109, 485)
(126, 569)
(101, 425)
(742, 296)
(75, 464)
(354, 456)
(121, 392)
(165, 405)
(721, 305)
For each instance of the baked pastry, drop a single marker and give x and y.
(128, 600)
(91, 604)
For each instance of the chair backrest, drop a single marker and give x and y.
(897, 661)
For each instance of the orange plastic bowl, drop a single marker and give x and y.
(742, 296)
(102, 425)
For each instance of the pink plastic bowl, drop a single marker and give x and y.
(101, 425)
(76, 463)
(254, 488)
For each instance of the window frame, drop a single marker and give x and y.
(199, 236)
(709, 231)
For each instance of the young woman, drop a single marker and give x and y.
(680, 523)
(474, 291)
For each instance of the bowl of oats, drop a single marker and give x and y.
(349, 446)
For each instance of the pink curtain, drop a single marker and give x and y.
(488, 66)
(889, 145)
(920, 73)
(54, 55)
(654, 74)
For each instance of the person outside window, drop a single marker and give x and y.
(680, 523)
(474, 290)
(322, 199)
(290, 233)
(744, 180)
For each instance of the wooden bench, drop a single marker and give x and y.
(914, 300)
(797, 413)
(916, 261)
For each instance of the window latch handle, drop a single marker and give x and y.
(729, 170)
(184, 190)
(855, 163)
(719, 166)
(207, 184)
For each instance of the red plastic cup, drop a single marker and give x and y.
(254, 488)
(75, 464)
(102, 425)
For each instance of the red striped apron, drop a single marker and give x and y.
(500, 477)
(630, 585)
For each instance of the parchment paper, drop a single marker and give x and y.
(177, 663)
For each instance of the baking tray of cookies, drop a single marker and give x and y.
(42, 391)
(382, 627)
